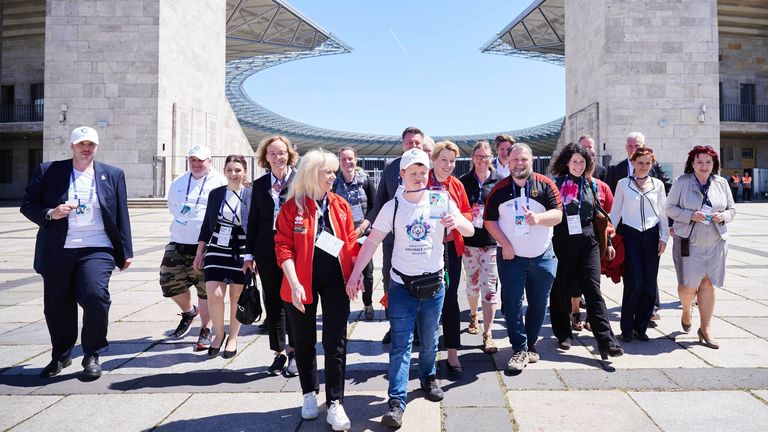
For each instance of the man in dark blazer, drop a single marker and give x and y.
(624, 169)
(84, 232)
(588, 143)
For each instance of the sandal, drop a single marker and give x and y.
(576, 323)
(489, 346)
(473, 328)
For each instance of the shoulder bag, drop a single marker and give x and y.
(249, 304)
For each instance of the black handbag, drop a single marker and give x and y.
(249, 304)
(422, 286)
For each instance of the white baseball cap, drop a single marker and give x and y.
(200, 152)
(84, 133)
(413, 156)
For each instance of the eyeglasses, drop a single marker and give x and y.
(482, 157)
(276, 154)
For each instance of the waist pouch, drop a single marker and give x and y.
(422, 286)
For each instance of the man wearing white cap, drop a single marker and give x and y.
(81, 208)
(418, 220)
(187, 201)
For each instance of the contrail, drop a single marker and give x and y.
(398, 43)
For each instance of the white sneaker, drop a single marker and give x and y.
(309, 409)
(337, 418)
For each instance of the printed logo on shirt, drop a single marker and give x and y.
(419, 229)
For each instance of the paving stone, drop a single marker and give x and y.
(733, 353)
(21, 314)
(659, 352)
(762, 394)
(474, 390)
(531, 379)
(27, 333)
(756, 326)
(116, 412)
(15, 409)
(367, 355)
(740, 308)
(719, 378)
(15, 298)
(714, 411)
(21, 356)
(619, 379)
(543, 411)
(477, 419)
(19, 384)
(6, 327)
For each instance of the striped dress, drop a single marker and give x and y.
(224, 263)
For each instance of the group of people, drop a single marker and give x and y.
(746, 186)
(309, 230)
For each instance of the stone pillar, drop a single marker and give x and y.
(647, 66)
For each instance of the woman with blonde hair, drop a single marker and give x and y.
(315, 230)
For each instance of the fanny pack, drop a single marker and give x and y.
(422, 286)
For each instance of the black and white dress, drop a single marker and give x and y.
(224, 260)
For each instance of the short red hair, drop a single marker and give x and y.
(705, 150)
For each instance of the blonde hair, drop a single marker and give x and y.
(306, 183)
(445, 145)
(261, 151)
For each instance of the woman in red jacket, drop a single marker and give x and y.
(315, 229)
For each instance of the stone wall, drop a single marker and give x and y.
(656, 64)
(744, 60)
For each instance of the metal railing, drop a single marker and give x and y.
(744, 113)
(21, 113)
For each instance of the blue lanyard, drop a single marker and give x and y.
(234, 210)
(189, 183)
(321, 219)
(74, 186)
(439, 186)
(581, 187)
(527, 190)
(704, 189)
(480, 184)
(281, 183)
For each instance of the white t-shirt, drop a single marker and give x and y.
(501, 171)
(185, 226)
(418, 246)
(539, 237)
(83, 189)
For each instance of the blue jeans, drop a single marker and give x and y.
(535, 276)
(406, 310)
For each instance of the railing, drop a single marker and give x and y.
(21, 113)
(744, 113)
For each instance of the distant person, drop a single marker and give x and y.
(588, 143)
(388, 185)
(277, 155)
(428, 145)
(746, 187)
(221, 249)
(701, 205)
(187, 202)
(734, 181)
(81, 209)
(503, 145)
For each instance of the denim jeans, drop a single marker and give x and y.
(406, 310)
(535, 276)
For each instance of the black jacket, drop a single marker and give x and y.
(621, 170)
(212, 211)
(260, 237)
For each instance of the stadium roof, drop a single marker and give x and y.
(537, 33)
(266, 33)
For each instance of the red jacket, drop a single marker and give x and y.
(295, 239)
(459, 195)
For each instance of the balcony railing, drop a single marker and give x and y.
(744, 113)
(21, 113)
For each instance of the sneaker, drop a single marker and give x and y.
(655, 316)
(309, 408)
(186, 322)
(433, 391)
(473, 327)
(336, 417)
(394, 417)
(277, 365)
(518, 361)
(291, 370)
(387, 339)
(533, 355)
(203, 339)
(369, 312)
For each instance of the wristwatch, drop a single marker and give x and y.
(48, 215)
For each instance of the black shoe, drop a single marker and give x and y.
(387, 337)
(626, 337)
(652, 324)
(433, 391)
(640, 336)
(228, 354)
(394, 417)
(91, 367)
(454, 372)
(564, 344)
(54, 367)
(277, 365)
(213, 351)
(186, 322)
(611, 350)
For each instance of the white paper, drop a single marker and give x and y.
(329, 243)
(225, 233)
(574, 225)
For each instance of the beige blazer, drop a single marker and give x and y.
(685, 198)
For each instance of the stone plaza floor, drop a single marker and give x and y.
(155, 383)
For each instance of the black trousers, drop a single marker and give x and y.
(641, 268)
(81, 277)
(578, 257)
(271, 276)
(328, 288)
(368, 284)
(746, 194)
(450, 315)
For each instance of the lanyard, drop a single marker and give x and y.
(525, 189)
(321, 219)
(581, 186)
(480, 184)
(234, 210)
(74, 186)
(348, 192)
(437, 185)
(189, 184)
(704, 189)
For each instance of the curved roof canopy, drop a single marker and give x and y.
(266, 33)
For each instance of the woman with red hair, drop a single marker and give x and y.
(701, 204)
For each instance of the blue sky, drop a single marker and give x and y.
(413, 63)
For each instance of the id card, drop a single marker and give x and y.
(83, 212)
(357, 213)
(477, 215)
(185, 214)
(225, 234)
(574, 225)
(329, 243)
(361, 239)
(522, 229)
(274, 218)
(707, 210)
(438, 204)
